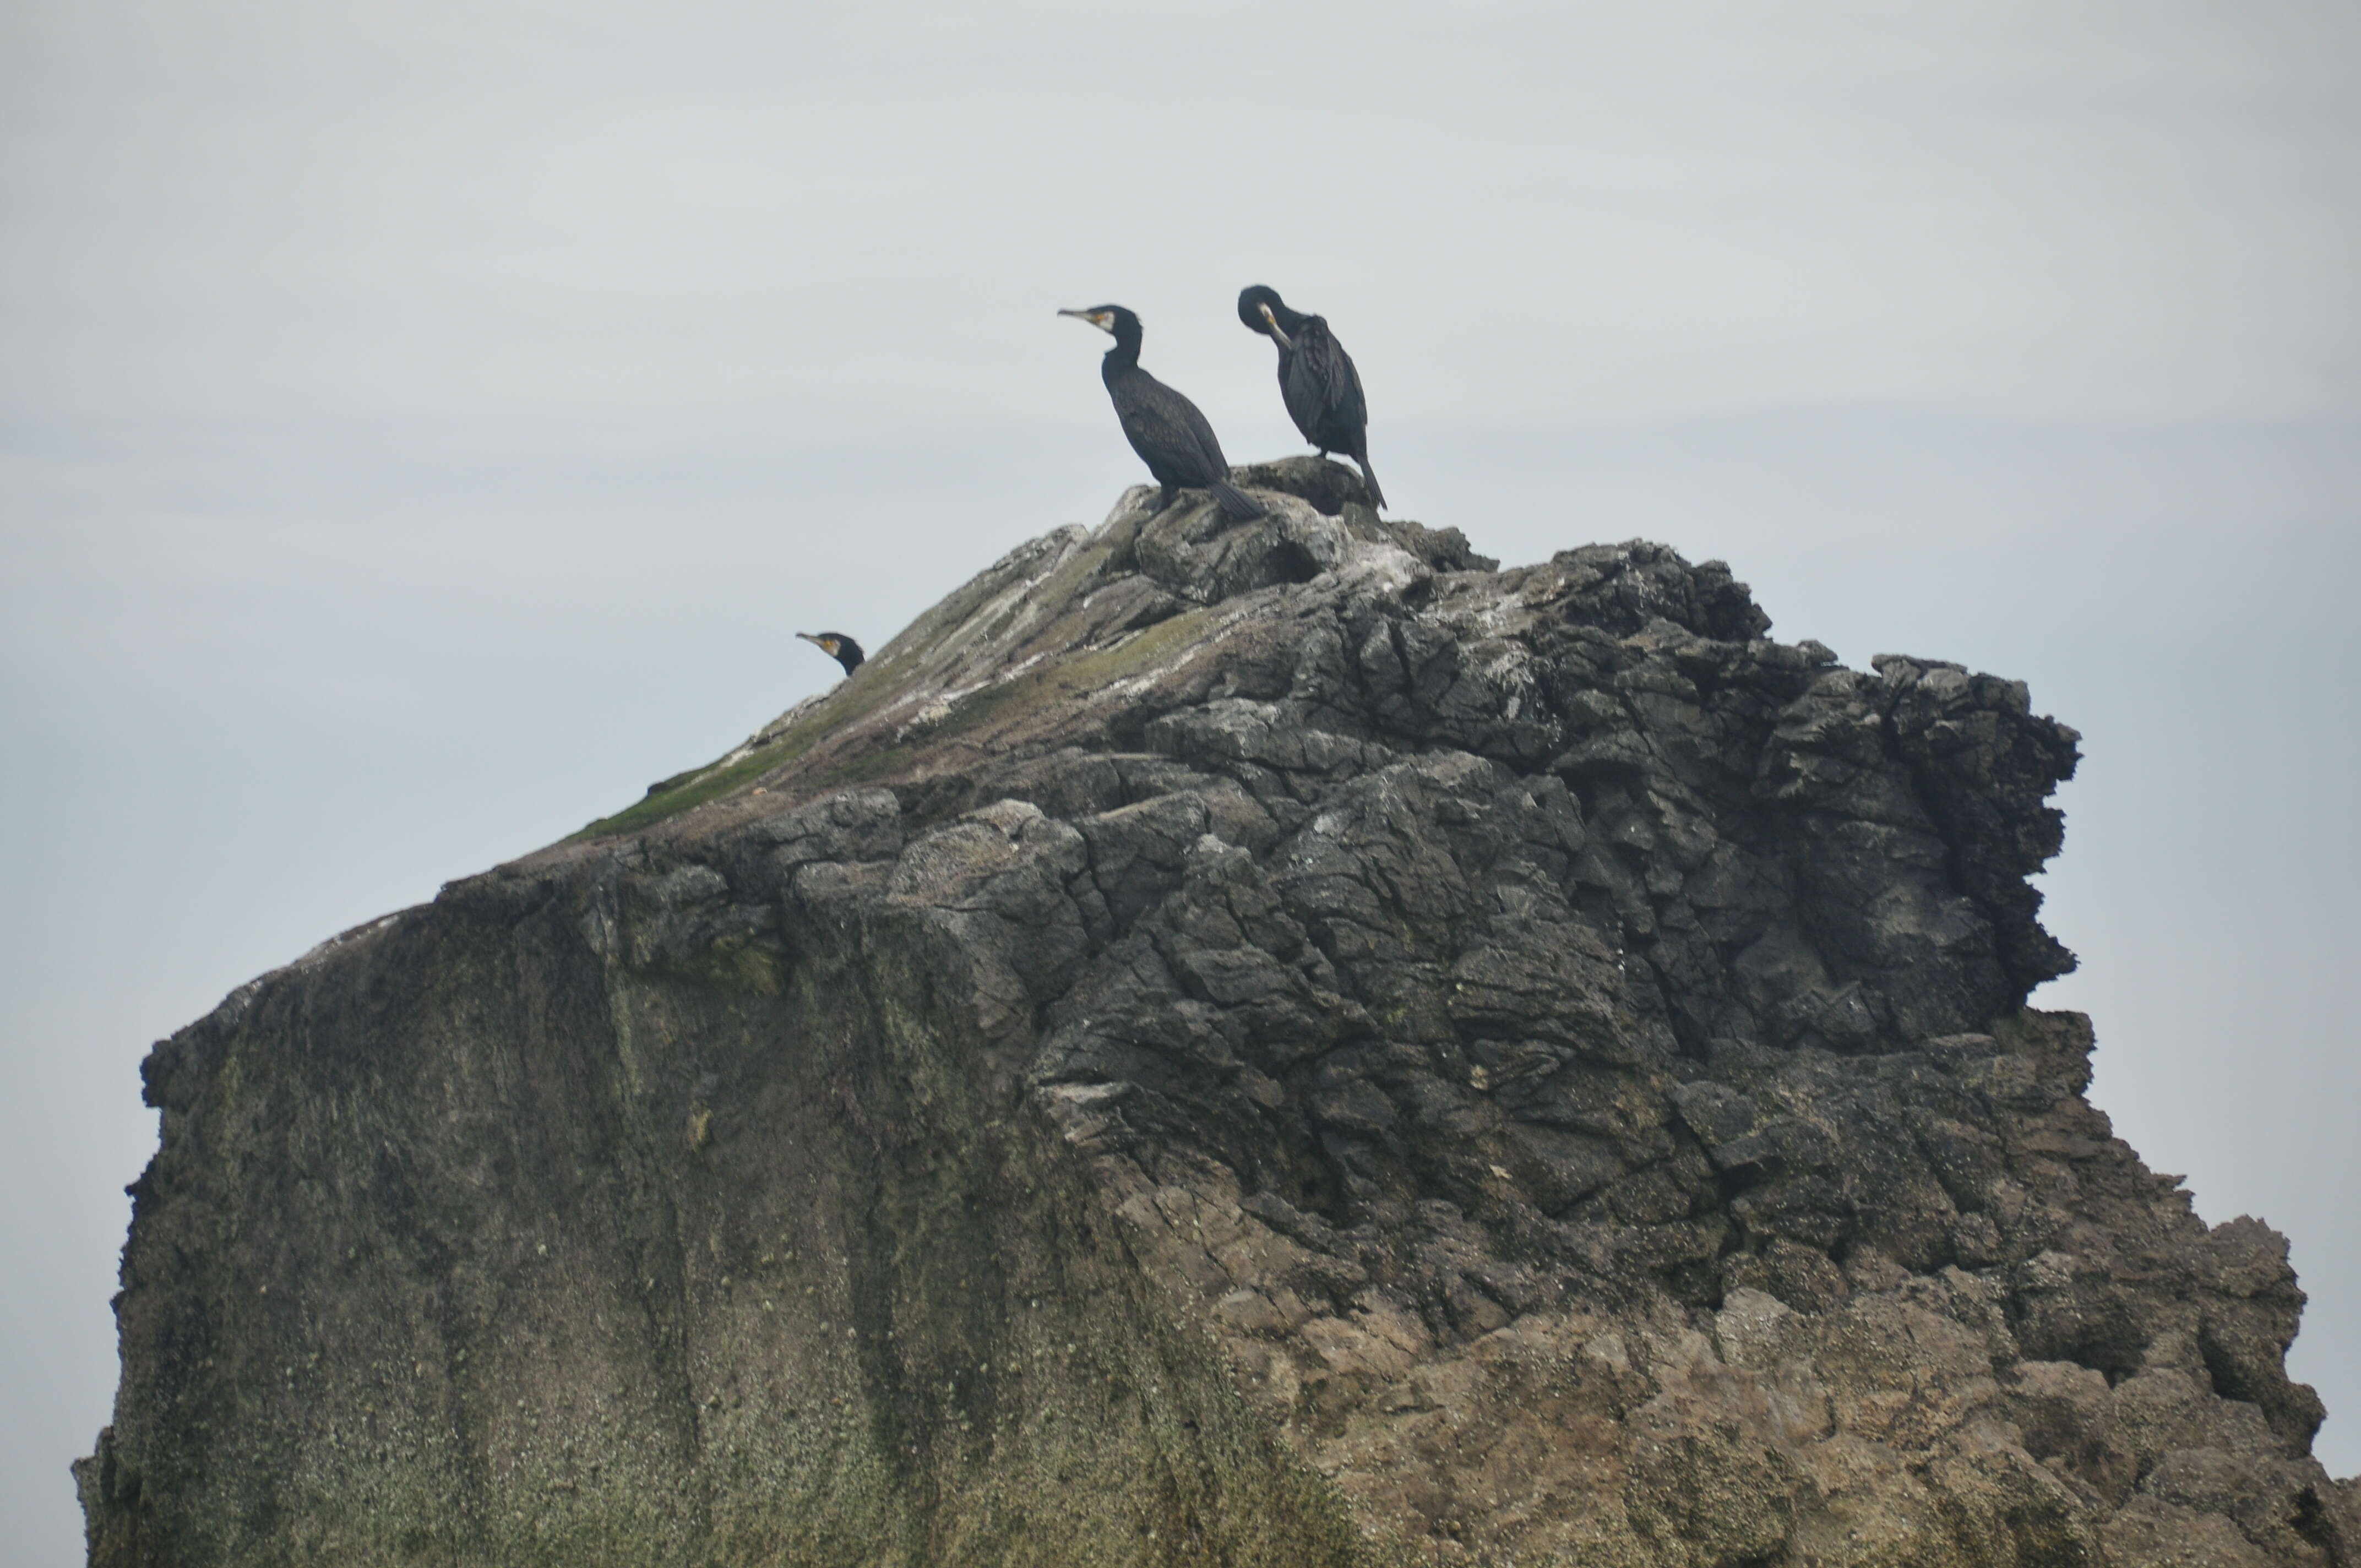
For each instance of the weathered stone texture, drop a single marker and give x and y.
(1271, 1044)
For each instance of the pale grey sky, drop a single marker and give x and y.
(422, 425)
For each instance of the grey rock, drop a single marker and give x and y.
(1276, 1044)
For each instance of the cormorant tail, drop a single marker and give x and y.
(1370, 481)
(1237, 505)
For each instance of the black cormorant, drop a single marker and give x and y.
(837, 646)
(1316, 378)
(1165, 428)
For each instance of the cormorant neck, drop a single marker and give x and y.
(1126, 345)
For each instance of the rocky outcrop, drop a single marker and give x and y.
(1265, 1045)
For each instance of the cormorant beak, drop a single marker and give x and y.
(1284, 341)
(1099, 319)
(825, 644)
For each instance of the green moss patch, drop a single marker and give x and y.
(1060, 679)
(692, 788)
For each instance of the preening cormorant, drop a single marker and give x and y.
(837, 646)
(1316, 378)
(1165, 428)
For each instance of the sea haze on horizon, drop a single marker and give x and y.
(424, 428)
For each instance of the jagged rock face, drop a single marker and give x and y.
(1277, 1045)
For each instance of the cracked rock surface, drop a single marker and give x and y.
(1270, 1044)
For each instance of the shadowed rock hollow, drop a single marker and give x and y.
(1276, 1044)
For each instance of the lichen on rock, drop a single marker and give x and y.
(1271, 1044)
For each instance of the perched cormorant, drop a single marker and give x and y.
(1165, 428)
(1316, 378)
(837, 646)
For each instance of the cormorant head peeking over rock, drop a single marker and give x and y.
(1262, 309)
(837, 646)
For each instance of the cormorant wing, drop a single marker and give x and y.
(1322, 376)
(1161, 423)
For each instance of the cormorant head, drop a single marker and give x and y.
(1113, 320)
(1262, 309)
(837, 646)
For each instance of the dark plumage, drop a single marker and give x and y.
(1316, 378)
(1165, 428)
(837, 646)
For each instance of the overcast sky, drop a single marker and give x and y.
(422, 425)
